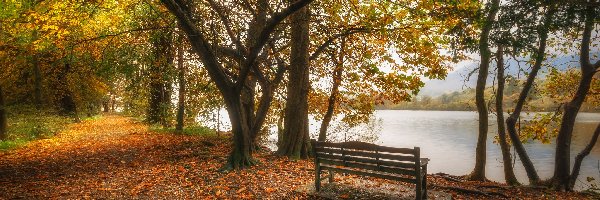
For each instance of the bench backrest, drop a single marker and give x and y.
(361, 155)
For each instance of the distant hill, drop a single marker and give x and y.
(455, 81)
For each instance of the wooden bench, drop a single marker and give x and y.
(360, 158)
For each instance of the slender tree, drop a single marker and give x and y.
(3, 121)
(511, 121)
(579, 158)
(337, 80)
(562, 178)
(181, 91)
(485, 53)
(509, 174)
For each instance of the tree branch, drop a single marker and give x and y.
(332, 39)
(262, 39)
(200, 45)
(227, 25)
(579, 158)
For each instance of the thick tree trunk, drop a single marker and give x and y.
(484, 50)
(511, 121)
(181, 78)
(67, 103)
(579, 158)
(296, 139)
(561, 178)
(509, 174)
(241, 153)
(337, 80)
(160, 96)
(3, 121)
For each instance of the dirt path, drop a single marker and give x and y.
(116, 157)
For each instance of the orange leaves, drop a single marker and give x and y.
(269, 190)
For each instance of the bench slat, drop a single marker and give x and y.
(365, 160)
(365, 146)
(386, 169)
(363, 173)
(411, 158)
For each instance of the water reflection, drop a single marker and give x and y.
(449, 138)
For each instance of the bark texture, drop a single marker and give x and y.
(562, 179)
(509, 174)
(484, 50)
(296, 138)
(332, 101)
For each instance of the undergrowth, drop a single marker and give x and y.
(26, 123)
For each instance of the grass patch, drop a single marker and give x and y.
(188, 130)
(27, 123)
(95, 117)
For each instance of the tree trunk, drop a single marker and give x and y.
(160, 97)
(337, 80)
(296, 139)
(241, 154)
(67, 103)
(3, 121)
(511, 121)
(37, 79)
(579, 158)
(105, 107)
(561, 178)
(181, 78)
(484, 49)
(509, 174)
(248, 91)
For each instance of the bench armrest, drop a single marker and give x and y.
(424, 161)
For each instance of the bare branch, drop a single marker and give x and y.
(227, 25)
(264, 36)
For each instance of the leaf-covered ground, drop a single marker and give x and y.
(117, 157)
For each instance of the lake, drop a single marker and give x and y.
(449, 138)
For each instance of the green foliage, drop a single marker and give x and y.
(27, 123)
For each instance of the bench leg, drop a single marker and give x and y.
(418, 188)
(425, 182)
(318, 179)
(331, 176)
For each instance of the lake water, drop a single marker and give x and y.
(449, 138)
